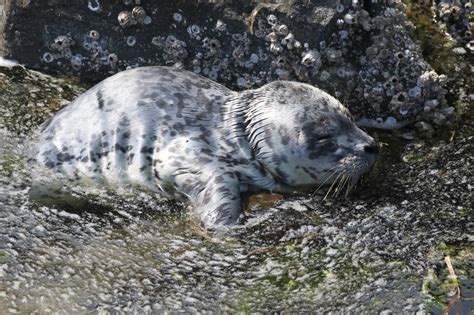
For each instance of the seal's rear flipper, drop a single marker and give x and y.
(216, 203)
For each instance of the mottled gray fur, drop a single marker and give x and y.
(188, 137)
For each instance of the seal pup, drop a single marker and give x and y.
(187, 137)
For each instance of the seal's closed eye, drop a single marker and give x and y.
(321, 138)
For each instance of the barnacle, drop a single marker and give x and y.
(63, 42)
(48, 57)
(94, 35)
(193, 30)
(125, 19)
(76, 62)
(177, 17)
(112, 59)
(220, 26)
(311, 58)
(131, 40)
(94, 5)
(288, 41)
(281, 30)
(139, 14)
(272, 19)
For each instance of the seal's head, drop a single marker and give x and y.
(304, 137)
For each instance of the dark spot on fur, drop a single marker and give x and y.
(178, 126)
(309, 173)
(161, 104)
(92, 156)
(204, 160)
(157, 175)
(222, 189)
(281, 174)
(130, 158)
(318, 151)
(100, 99)
(63, 157)
(45, 153)
(124, 121)
(118, 147)
(207, 151)
(176, 163)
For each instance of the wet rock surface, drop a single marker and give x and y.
(33, 96)
(380, 250)
(361, 52)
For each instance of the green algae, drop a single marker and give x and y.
(3, 257)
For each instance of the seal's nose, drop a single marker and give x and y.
(372, 148)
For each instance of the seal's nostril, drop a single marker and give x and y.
(372, 148)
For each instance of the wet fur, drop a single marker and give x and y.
(187, 137)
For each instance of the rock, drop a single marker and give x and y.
(124, 250)
(362, 53)
(28, 98)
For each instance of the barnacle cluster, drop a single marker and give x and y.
(135, 16)
(457, 19)
(365, 55)
(394, 79)
(94, 54)
(174, 50)
(61, 48)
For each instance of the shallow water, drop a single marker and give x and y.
(91, 249)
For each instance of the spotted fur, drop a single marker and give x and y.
(187, 137)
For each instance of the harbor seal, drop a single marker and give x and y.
(187, 137)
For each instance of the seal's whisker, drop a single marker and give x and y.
(346, 184)
(335, 168)
(337, 182)
(343, 183)
(353, 183)
(330, 188)
(338, 189)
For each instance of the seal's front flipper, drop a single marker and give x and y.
(217, 202)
